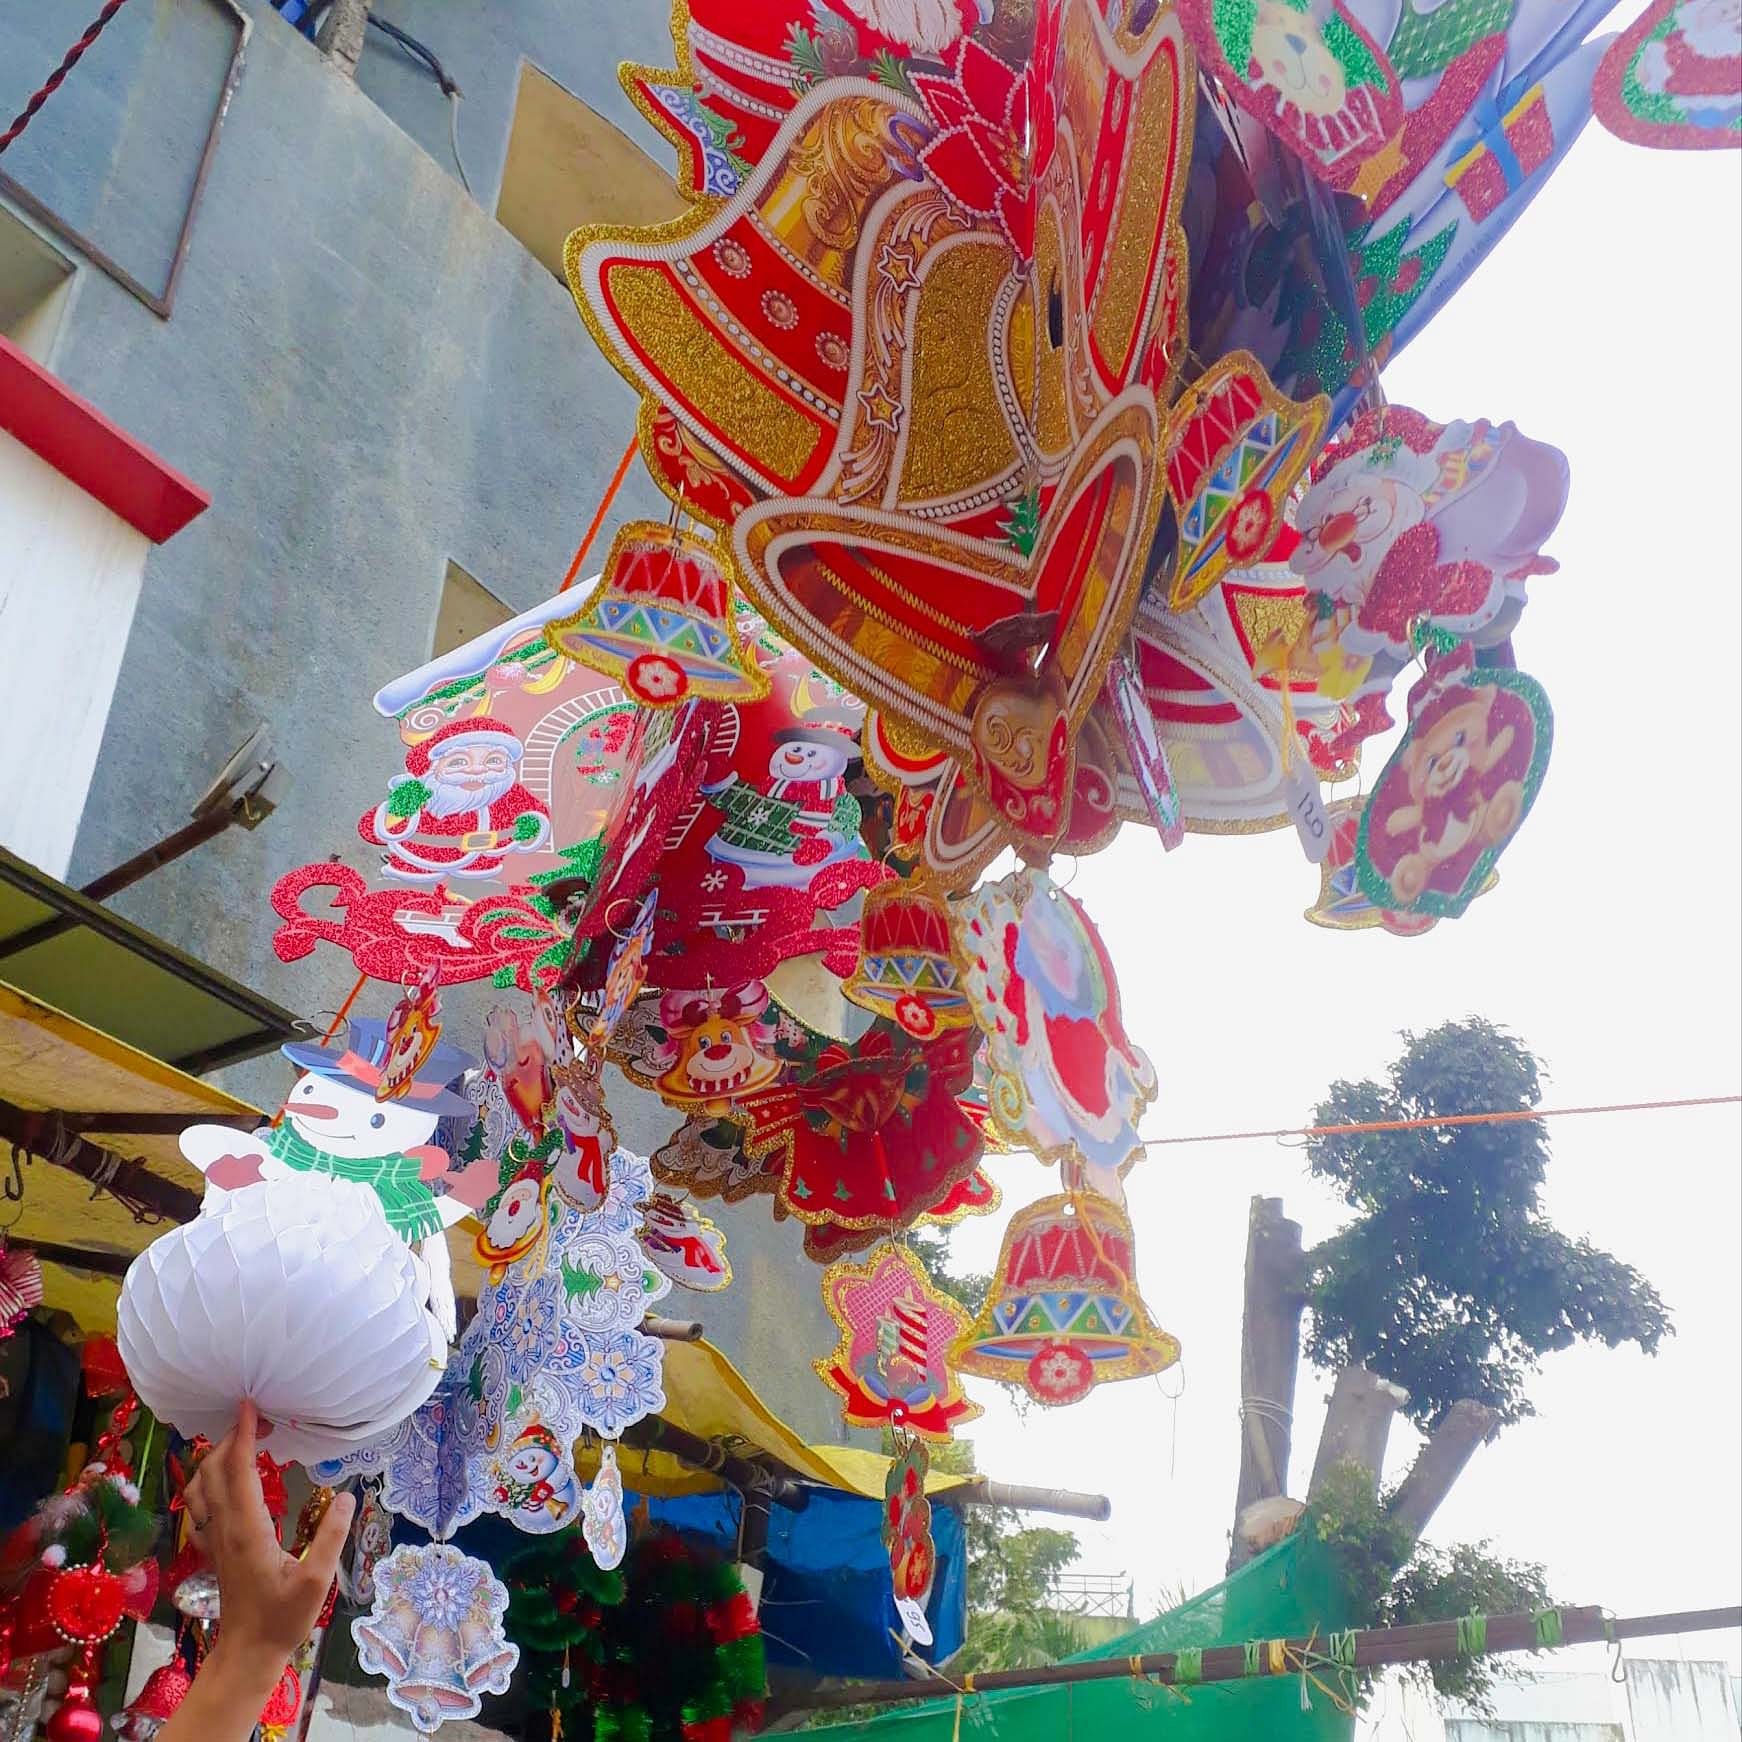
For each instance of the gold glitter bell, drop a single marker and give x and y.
(662, 621)
(1064, 1314)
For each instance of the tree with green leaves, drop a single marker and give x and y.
(1439, 1298)
(1451, 1281)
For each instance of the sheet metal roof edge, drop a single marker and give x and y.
(276, 1024)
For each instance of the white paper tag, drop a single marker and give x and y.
(1306, 808)
(913, 1619)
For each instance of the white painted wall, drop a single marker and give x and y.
(1657, 1700)
(70, 573)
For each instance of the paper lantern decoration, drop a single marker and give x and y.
(905, 969)
(891, 1366)
(1456, 789)
(867, 1140)
(435, 1632)
(1411, 524)
(513, 758)
(1308, 70)
(1064, 1313)
(662, 621)
(753, 833)
(1065, 1079)
(1235, 449)
(333, 1127)
(293, 1292)
(913, 1557)
(1673, 78)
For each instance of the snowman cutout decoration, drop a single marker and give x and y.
(781, 830)
(536, 1482)
(333, 1125)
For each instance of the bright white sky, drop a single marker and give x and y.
(1607, 322)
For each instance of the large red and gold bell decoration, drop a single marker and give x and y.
(1064, 1314)
(905, 969)
(662, 621)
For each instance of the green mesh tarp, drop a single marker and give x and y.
(1288, 1591)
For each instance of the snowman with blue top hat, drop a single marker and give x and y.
(335, 1122)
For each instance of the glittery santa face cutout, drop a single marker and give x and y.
(1673, 79)
(1411, 523)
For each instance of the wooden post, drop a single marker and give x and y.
(1357, 1426)
(1441, 1462)
(1269, 1359)
(342, 32)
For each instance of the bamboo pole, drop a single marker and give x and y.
(1373, 1648)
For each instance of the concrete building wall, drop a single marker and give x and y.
(1578, 1699)
(372, 379)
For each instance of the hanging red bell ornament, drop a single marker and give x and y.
(1063, 1313)
(663, 622)
(155, 1703)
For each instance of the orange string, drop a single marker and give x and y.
(604, 508)
(345, 1008)
(1500, 1118)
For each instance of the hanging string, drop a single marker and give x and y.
(344, 1009)
(599, 514)
(57, 78)
(1507, 1117)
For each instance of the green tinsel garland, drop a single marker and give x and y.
(665, 1650)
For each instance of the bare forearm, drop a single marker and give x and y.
(228, 1695)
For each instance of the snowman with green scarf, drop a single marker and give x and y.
(332, 1123)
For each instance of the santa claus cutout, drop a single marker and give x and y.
(459, 809)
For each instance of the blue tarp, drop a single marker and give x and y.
(827, 1603)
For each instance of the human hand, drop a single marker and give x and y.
(268, 1600)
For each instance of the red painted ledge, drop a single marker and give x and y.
(74, 437)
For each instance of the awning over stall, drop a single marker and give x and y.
(75, 954)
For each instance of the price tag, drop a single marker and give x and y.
(913, 1619)
(1306, 808)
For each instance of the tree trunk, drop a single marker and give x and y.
(1440, 1463)
(342, 32)
(1269, 1358)
(1357, 1426)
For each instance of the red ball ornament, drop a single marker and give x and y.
(77, 1719)
(86, 1604)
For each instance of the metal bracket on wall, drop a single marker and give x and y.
(160, 303)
